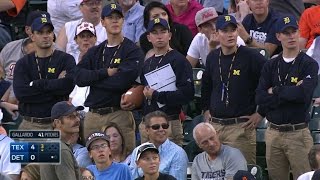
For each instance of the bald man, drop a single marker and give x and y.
(217, 160)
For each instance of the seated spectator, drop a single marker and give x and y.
(219, 160)
(86, 174)
(181, 35)
(239, 9)
(13, 8)
(30, 172)
(206, 40)
(184, 12)
(148, 159)
(314, 161)
(91, 12)
(217, 4)
(8, 169)
(119, 153)
(133, 19)
(289, 7)
(309, 26)
(98, 146)
(257, 29)
(174, 160)
(62, 12)
(80, 152)
(66, 120)
(85, 38)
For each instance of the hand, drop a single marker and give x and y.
(299, 83)
(253, 121)
(213, 41)
(207, 116)
(9, 107)
(270, 91)
(242, 32)
(316, 102)
(62, 74)
(127, 106)
(243, 9)
(2, 130)
(112, 71)
(147, 91)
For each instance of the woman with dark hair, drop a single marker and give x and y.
(181, 35)
(119, 153)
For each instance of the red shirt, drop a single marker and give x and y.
(309, 24)
(187, 17)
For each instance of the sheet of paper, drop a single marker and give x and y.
(162, 79)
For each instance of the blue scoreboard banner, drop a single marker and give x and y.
(35, 152)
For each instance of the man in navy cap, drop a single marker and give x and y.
(284, 94)
(9, 56)
(42, 78)
(110, 69)
(168, 101)
(228, 88)
(66, 119)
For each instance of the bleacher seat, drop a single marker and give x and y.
(255, 170)
(197, 77)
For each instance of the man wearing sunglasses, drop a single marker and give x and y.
(98, 145)
(174, 160)
(65, 119)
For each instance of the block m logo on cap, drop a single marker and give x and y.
(156, 20)
(113, 6)
(44, 20)
(286, 20)
(227, 18)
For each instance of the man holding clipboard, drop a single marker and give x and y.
(168, 81)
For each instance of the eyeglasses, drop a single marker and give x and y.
(87, 178)
(97, 147)
(92, 3)
(157, 126)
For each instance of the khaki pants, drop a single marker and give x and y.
(287, 149)
(236, 136)
(174, 132)
(27, 125)
(124, 119)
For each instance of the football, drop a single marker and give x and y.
(135, 95)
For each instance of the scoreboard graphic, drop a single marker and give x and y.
(35, 147)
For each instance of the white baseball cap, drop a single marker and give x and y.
(86, 26)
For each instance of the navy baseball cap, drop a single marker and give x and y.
(285, 22)
(110, 8)
(35, 14)
(157, 21)
(224, 20)
(241, 174)
(64, 108)
(40, 22)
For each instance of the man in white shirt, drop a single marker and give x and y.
(7, 168)
(206, 40)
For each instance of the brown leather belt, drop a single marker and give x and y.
(105, 110)
(228, 121)
(46, 120)
(287, 127)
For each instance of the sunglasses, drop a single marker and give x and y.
(157, 126)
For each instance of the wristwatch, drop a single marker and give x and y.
(249, 40)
